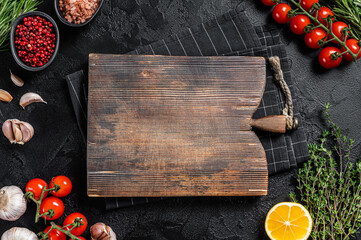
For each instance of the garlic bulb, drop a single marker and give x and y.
(18, 233)
(100, 231)
(12, 203)
(17, 131)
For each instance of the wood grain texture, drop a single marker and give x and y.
(174, 126)
(274, 124)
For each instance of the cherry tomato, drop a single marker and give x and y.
(352, 44)
(325, 57)
(307, 4)
(55, 234)
(71, 218)
(269, 3)
(298, 24)
(280, 12)
(322, 14)
(81, 237)
(52, 203)
(314, 36)
(337, 30)
(36, 186)
(65, 186)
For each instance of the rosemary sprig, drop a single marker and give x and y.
(9, 11)
(349, 11)
(330, 186)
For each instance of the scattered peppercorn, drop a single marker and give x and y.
(35, 41)
(78, 11)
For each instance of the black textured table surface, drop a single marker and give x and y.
(121, 26)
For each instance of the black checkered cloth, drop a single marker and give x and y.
(230, 34)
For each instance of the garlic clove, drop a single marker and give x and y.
(16, 80)
(18, 233)
(17, 131)
(12, 203)
(27, 131)
(5, 96)
(29, 98)
(100, 231)
(8, 131)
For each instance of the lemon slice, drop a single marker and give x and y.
(288, 221)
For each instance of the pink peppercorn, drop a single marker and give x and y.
(30, 39)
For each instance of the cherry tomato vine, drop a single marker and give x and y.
(38, 201)
(76, 224)
(52, 208)
(321, 27)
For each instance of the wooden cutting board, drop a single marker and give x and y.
(174, 126)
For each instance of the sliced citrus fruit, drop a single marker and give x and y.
(288, 221)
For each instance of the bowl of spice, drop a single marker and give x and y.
(77, 13)
(34, 40)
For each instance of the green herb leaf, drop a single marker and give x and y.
(9, 11)
(331, 189)
(348, 11)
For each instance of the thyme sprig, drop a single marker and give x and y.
(330, 186)
(348, 11)
(9, 11)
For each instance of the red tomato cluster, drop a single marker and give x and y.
(58, 235)
(329, 57)
(55, 205)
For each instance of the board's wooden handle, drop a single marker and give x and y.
(275, 124)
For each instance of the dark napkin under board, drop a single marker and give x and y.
(230, 34)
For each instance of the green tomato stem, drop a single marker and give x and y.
(66, 232)
(30, 195)
(329, 40)
(340, 54)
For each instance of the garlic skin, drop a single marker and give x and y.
(18, 233)
(100, 231)
(17, 131)
(12, 203)
(29, 98)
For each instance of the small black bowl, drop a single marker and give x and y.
(63, 20)
(12, 40)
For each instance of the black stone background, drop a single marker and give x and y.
(121, 26)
